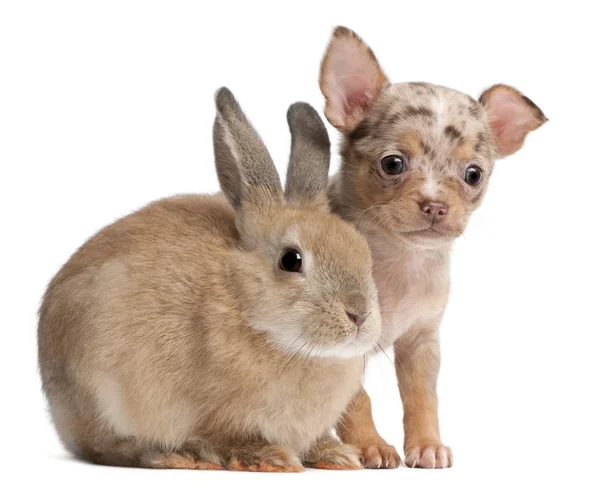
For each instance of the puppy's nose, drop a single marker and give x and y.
(356, 319)
(434, 208)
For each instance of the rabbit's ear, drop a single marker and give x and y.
(244, 167)
(308, 169)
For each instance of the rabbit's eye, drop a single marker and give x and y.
(473, 175)
(291, 261)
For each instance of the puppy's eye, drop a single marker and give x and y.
(392, 164)
(473, 175)
(291, 260)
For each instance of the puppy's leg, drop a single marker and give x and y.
(330, 453)
(260, 456)
(417, 357)
(357, 428)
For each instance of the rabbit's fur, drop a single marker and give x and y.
(172, 338)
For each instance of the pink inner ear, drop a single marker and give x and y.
(357, 99)
(351, 78)
(511, 120)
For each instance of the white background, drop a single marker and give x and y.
(105, 106)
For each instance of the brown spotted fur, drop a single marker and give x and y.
(440, 132)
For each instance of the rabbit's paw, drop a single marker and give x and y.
(330, 454)
(177, 460)
(266, 458)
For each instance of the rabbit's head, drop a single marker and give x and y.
(305, 274)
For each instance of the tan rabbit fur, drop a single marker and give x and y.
(174, 338)
(416, 162)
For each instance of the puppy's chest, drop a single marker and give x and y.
(408, 298)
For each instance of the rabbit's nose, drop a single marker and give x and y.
(356, 319)
(434, 208)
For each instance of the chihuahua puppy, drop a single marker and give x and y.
(416, 161)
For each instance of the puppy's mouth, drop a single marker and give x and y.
(421, 231)
(430, 232)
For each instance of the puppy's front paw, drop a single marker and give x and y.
(380, 455)
(430, 456)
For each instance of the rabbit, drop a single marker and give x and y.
(224, 331)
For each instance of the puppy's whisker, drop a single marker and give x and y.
(385, 354)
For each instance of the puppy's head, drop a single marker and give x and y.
(417, 157)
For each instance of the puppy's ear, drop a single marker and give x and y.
(511, 116)
(350, 79)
